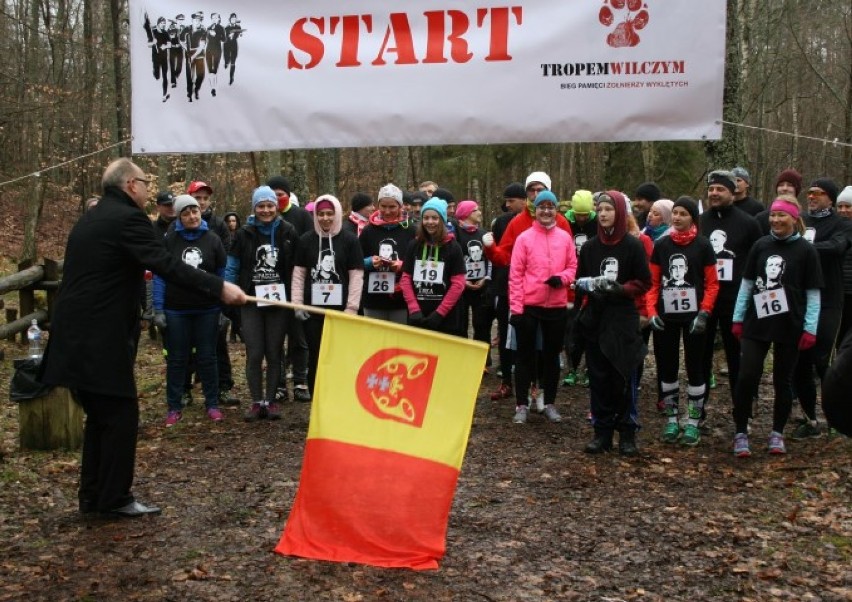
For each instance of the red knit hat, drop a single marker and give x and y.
(791, 176)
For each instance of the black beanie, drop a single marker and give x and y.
(360, 200)
(723, 178)
(515, 190)
(443, 193)
(690, 205)
(279, 183)
(828, 185)
(649, 191)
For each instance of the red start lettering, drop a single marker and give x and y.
(445, 42)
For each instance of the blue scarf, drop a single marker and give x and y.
(787, 239)
(193, 234)
(265, 229)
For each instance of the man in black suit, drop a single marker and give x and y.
(95, 330)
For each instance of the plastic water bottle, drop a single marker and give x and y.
(34, 337)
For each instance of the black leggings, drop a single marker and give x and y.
(551, 323)
(667, 356)
(721, 318)
(784, 356)
(816, 359)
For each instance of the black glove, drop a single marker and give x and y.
(434, 321)
(415, 319)
(611, 287)
(554, 282)
(699, 323)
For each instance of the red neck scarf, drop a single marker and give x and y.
(683, 238)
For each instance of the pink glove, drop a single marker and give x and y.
(737, 330)
(806, 341)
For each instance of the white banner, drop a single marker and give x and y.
(227, 75)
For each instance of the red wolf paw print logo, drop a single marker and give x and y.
(635, 19)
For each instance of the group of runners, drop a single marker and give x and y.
(593, 277)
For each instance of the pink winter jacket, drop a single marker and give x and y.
(540, 253)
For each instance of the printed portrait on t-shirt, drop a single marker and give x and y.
(325, 272)
(265, 264)
(192, 256)
(474, 251)
(773, 270)
(718, 238)
(609, 268)
(678, 268)
(579, 241)
(387, 249)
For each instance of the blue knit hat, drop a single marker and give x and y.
(545, 195)
(437, 205)
(263, 193)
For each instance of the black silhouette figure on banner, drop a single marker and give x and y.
(196, 63)
(158, 40)
(215, 39)
(177, 30)
(232, 33)
(198, 47)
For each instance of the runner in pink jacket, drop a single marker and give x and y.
(543, 265)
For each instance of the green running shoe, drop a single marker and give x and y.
(691, 435)
(671, 432)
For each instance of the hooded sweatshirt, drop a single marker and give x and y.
(329, 269)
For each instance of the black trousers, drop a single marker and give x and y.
(784, 355)
(551, 323)
(109, 451)
(313, 333)
(722, 319)
(816, 359)
(507, 356)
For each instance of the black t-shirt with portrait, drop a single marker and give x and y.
(731, 232)
(431, 294)
(671, 258)
(389, 243)
(205, 253)
(328, 265)
(782, 271)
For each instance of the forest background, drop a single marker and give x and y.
(65, 94)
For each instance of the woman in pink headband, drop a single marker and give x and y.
(777, 305)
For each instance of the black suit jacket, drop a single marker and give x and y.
(93, 334)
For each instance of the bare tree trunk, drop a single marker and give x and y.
(118, 53)
(327, 172)
(730, 149)
(401, 173)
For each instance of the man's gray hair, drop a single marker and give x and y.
(118, 173)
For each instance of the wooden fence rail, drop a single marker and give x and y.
(28, 280)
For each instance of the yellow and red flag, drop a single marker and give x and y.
(391, 416)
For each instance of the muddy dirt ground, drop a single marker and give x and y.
(534, 517)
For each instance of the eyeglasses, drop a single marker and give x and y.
(816, 192)
(146, 181)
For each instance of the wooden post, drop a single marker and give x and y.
(11, 316)
(54, 421)
(51, 273)
(26, 298)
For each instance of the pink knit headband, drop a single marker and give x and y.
(785, 206)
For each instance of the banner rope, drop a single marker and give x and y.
(834, 142)
(37, 174)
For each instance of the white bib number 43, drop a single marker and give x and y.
(271, 292)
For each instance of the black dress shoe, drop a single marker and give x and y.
(133, 510)
(599, 445)
(88, 507)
